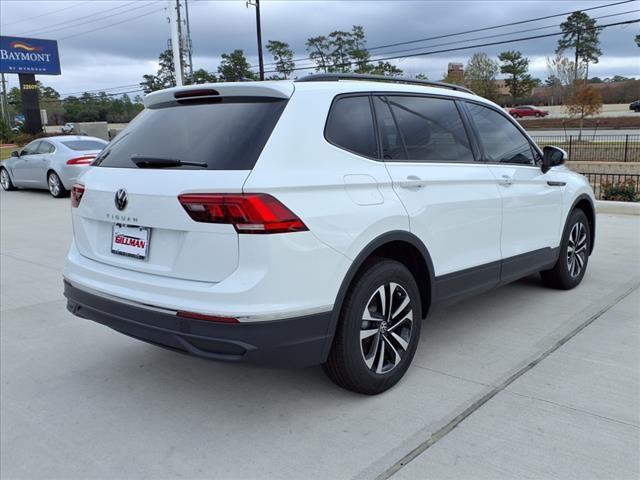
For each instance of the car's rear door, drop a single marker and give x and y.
(453, 201)
(532, 200)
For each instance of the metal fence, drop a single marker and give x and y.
(599, 181)
(595, 148)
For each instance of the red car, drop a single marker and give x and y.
(527, 111)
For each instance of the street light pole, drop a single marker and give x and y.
(256, 3)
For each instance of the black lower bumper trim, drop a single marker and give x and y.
(294, 342)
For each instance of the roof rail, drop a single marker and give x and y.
(328, 77)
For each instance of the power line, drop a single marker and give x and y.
(409, 55)
(437, 37)
(53, 12)
(485, 37)
(113, 24)
(70, 22)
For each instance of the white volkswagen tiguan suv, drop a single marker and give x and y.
(317, 221)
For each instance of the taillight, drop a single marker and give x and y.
(77, 191)
(248, 213)
(85, 160)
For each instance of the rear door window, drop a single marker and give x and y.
(431, 128)
(350, 126)
(46, 147)
(226, 133)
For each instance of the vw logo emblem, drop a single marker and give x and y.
(121, 199)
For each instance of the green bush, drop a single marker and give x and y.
(626, 191)
(6, 135)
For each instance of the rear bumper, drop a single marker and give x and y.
(294, 342)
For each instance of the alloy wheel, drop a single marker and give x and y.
(54, 184)
(577, 249)
(386, 329)
(4, 179)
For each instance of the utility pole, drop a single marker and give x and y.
(188, 39)
(176, 37)
(575, 70)
(256, 3)
(5, 104)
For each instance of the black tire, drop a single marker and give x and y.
(56, 188)
(515, 115)
(537, 115)
(389, 350)
(5, 180)
(572, 262)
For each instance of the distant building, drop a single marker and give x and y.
(501, 87)
(455, 72)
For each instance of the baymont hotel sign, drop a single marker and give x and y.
(29, 55)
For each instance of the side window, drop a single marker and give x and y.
(431, 128)
(31, 148)
(392, 146)
(45, 147)
(350, 126)
(501, 140)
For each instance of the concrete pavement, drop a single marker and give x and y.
(521, 382)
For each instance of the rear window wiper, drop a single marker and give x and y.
(145, 161)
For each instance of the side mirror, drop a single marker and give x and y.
(552, 157)
(15, 153)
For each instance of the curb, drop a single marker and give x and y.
(618, 208)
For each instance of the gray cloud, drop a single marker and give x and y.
(120, 54)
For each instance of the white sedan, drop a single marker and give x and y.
(52, 163)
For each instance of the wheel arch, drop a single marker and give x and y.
(585, 203)
(398, 245)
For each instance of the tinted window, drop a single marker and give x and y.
(431, 128)
(350, 126)
(226, 134)
(501, 139)
(45, 147)
(391, 142)
(31, 148)
(84, 145)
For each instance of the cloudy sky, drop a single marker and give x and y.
(107, 44)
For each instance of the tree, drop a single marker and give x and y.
(283, 56)
(340, 45)
(384, 68)
(421, 76)
(562, 70)
(595, 80)
(579, 33)
(514, 64)
(480, 75)
(202, 76)
(165, 76)
(234, 67)
(318, 48)
(585, 101)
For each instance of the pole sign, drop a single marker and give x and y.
(29, 55)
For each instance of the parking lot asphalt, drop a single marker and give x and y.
(522, 382)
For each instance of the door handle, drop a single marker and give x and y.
(505, 180)
(413, 182)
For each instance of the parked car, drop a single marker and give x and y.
(317, 221)
(52, 163)
(67, 128)
(527, 111)
(635, 106)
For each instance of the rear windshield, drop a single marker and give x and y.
(225, 133)
(84, 145)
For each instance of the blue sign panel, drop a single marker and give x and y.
(29, 55)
